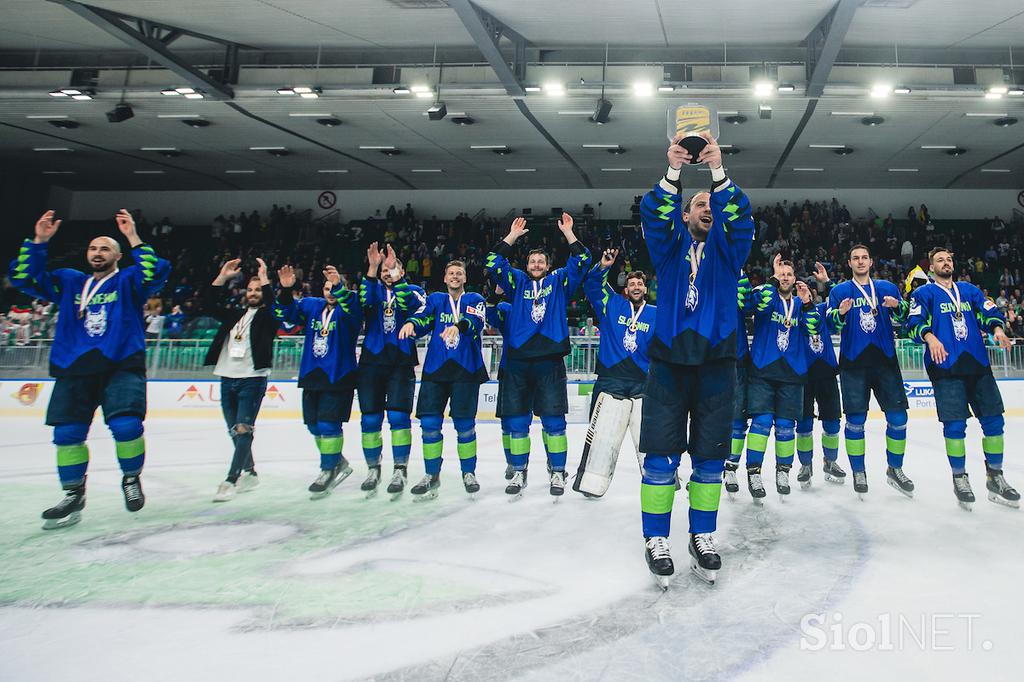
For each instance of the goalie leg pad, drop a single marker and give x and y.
(608, 424)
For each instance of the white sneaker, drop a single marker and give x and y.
(225, 491)
(247, 482)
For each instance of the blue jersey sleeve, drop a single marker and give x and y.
(473, 318)
(732, 214)
(572, 275)
(28, 272)
(598, 291)
(659, 210)
(285, 308)
(151, 272)
(919, 318)
(988, 314)
(501, 271)
(369, 292)
(423, 319)
(764, 300)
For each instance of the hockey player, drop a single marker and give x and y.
(863, 310)
(98, 358)
(452, 373)
(497, 316)
(536, 343)
(626, 322)
(327, 372)
(950, 318)
(386, 377)
(698, 247)
(740, 414)
(821, 389)
(784, 320)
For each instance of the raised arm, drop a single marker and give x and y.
(579, 257)
(285, 308)
(500, 270)
(28, 270)
(595, 284)
(661, 207)
(152, 272)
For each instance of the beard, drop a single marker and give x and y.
(99, 266)
(253, 301)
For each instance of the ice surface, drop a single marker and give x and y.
(275, 586)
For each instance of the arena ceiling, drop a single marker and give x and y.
(950, 54)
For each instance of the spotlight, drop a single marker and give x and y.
(1015, 92)
(73, 93)
(763, 88)
(786, 87)
(437, 111)
(309, 93)
(643, 89)
(998, 90)
(601, 113)
(286, 91)
(880, 90)
(901, 90)
(554, 88)
(401, 91)
(121, 112)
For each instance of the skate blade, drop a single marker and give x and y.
(805, 485)
(342, 475)
(732, 491)
(425, 497)
(704, 574)
(56, 524)
(320, 495)
(396, 496)
(221, 499)
(471, 496)
(661, 581)
(862, 497)
(966, 506)
(370, 494)
(758, 501)
(835, 479)
(783, 497)
(732, 496)
(1002, 501)
(515, 497)
(896, 486)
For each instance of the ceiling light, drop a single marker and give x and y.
(786, 87)
(309, 114)
(763, 88)
(148, 172)
(901, 90)
(827, 146)
(488, 146)
(881, 90)
(196, 122)
(427, 94)
(1015, 92)
(376, 148)
(52, 149)
(265, 149)
(666, 88)
(185, 91)
(998, 90)
(600, 146)
(426, 170)
(851, 113)
(843, 151)
(938, 146)
(531, 88)
(401, 91)
(995, 170)
(329, 122)
(240, 172)
(303, 89)
(46, 117)
(956, 151)
(177, 116)
(437, 111)
(170, 92)
(643, 89)
(58, 93)
(58, 172)
(616, 170)
(83, 97)
(520, 170)
(158, 149)
(333, 170)
(984, 114)
(902, 170)
(286, 91)
(310, 95)
(420, 88)
(872, 121)
(554, 88)
(194, 95)
(809, 170)
(993, 95)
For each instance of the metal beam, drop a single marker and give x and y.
(823, 44)
(486, 31)
(146, 42)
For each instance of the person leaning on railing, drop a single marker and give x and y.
(242, 354)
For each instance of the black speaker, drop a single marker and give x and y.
(122, 112)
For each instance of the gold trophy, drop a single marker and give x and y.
(686, 123)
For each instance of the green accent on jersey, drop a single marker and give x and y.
(992, 445)
(130, 448)
(401, 437)
(657, 499)
(330, 445)
(705, 496)
(467, 450)
(372, 439)
(855, 447)
(70, 455)
(897, 446)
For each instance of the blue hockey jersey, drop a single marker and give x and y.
(622, 352)
(695, 325)
(821, 354)
(386, 310)
(328, 359)
(933, 310)
(497, 317)
(463, 362)
(865, 338)
(745, 306)
(537, 325)
(778, 351)
(108, 332)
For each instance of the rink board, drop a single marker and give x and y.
(201, 398)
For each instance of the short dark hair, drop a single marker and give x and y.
(455, 264)
(853, 248)
(937, 250)
(689, 202)
(637, 274)
(252, 278)
(542, 252)
(787, 263)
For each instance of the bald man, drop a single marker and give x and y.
(98, 356)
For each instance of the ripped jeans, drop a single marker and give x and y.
(240, 401)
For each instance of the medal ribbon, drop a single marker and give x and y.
(958, 313)
(787, 310)
(872, 299)
(636, 316)
(325, 319)
(696, 254)
(88, 294)
(247, 318)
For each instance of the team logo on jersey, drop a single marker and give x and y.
(960, 327)
(96, 322)
(782, 339)
(389, 320)
(537, 314)
(320, 346)
(629, 341)
(452, 342)
(817, 345)
(867, 321)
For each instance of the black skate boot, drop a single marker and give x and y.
(557, 483)
(68, 511)
(134, 499)
(704, 559)
(470, 483)
(516, 485)
(372, 481)
(833, 472)
(803, 477)
(427, 488)
(755, 485)
(963, 492)
(895, 477)
(782, 479)
(999, 491)
(659, 560)
(729, 477)
(860, 483)
(509, 471)
(328, 480)
(397, 484)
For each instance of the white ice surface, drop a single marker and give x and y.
(274, 586)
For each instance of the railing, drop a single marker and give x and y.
(183, 358)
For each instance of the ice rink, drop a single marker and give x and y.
(274, 586)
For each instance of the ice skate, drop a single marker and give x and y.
(999, 491)
(732, 486)
(134, 498)
(833, 472)
(471, 484)
(803, 477)
(516, 485)
(247, 482)
(755, 485)
(704, 559)
(371, 482)
(225, 492)
(557, 488)
(860, 483)
(397, 485)
(963, 492)
(509, 471)
(895, 477)
(328, 480)
(427, 488)
(782, 479)
(68, 511)
(659, 560)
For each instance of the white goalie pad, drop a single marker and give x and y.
(608, 425)
(634, 429)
